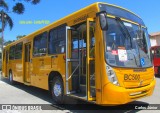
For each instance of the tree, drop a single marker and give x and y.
(7, 42)
(20, 36)
(18, 8)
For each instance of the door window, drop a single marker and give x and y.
(56, 43)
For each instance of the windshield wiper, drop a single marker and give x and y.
(139, 37)
(126, 34)
(123, 29)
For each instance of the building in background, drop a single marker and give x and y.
(155, 39)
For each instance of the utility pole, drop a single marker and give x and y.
(2, 16)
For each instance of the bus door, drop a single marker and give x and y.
(6, 63)
(27, 76)
(80, 61)
(90, 60)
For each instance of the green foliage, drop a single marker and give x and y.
(4, 5)
(20, 36)
(7, 42)
(0, 40)
(19, 8)
(7, 20)
(33, 1)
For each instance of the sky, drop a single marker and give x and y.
(49, 11)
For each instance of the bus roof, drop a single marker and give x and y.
(76, 12)
(119, 7)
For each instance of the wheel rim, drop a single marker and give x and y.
(57, 90)
(10, 77)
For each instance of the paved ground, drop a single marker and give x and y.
(21, 94)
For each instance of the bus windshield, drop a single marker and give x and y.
(127, 44)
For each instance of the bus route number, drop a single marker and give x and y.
(134, 77)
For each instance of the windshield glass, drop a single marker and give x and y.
(119, 12)
(127, 44)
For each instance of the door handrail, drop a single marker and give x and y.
(67, 88)
(73, 72)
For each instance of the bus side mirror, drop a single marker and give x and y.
(103, 20)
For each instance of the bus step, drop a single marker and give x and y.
(92, 90)
(79, 95)
(72, 92)
(82, 88)
(83, 79)
(26, 83)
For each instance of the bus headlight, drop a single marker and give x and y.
(112, 76)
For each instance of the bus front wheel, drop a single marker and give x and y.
(57, 90)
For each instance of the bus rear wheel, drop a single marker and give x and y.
(11, 78)
(57, 90)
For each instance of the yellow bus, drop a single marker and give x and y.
(99, 54)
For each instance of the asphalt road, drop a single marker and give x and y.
(21, 94)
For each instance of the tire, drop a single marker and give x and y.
(11, 78)
(57, 90)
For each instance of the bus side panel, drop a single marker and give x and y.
(156, 58)
(4, 64)
(12, 69)
(35, 72)
(42, 66)
(40, 71)
(58, 65)
(99, 61)
(156, 62)
(18, 70)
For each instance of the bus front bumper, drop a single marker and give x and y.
(115, 95)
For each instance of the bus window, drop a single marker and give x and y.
(40, 45)
(56, 43)
(12, 53)
(4, 54)
(18, 51)
(92, 40)
(75, 44)
(157, 53)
